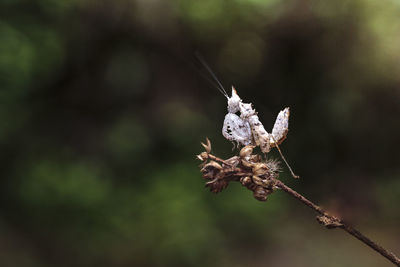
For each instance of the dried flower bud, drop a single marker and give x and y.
(260, 169)
(252, 186)
(203, 156)
(247, 163)
(261, 193)
(217, 185)
(257, 180)
(245, 180)
(208, 146)
(246, 151)
(211, 170)
(252, 171)
(233, 161)
(214, 164)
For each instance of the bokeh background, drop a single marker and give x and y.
(102, 110)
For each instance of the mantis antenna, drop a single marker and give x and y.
(220, 87)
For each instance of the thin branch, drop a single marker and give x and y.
(261, 178)
(340, 224)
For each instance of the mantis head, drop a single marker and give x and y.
(233, 102)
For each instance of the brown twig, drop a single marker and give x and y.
(261, 178)
(341, 224)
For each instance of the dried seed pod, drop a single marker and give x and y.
(246, 151)
(252, 186)
(258, 181)
(207, 168)
(211, 170)
(270, 183)
(217, 186)
(203, 156)
(233, 161)
(208, 175)
(261, 193)
(245, 180)
(260, 169)
(247, 163)
(214, 164)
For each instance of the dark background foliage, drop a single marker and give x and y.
(102, 111)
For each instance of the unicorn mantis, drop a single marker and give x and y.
(247, 129)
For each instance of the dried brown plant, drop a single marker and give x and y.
(261, 177)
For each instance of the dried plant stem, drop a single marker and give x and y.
(334, 222)
(257, 177)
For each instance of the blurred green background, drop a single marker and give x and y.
(102, 113)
